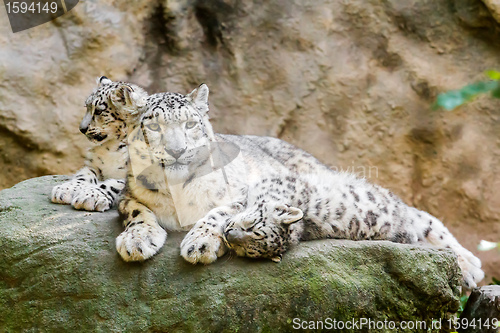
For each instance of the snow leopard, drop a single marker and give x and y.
(112, 108)
(182, 176)
(287, 208)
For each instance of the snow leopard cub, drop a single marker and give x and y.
(285, 209)
(111, 109)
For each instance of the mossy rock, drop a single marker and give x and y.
(59, 272)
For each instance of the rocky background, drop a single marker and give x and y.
(350, 81)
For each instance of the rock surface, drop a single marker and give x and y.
(59, 272)
(483, 306)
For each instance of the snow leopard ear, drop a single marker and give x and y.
(128, 97)
(103, 80)
(287, 214)
(199, 97)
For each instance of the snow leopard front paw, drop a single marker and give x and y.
(98, 197)
(92, 199)
(63, 194)
(140, 241)
(201, 246)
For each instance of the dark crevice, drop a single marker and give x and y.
(159, 41)
(386, 59)
(23, 141)
(209, 13)
(288, 124)
(20, 158)
(210, 25)
(476, 18)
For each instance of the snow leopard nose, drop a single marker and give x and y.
(85, 123)
(175, 153)
(83, 129)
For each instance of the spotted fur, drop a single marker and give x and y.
(111, 108)
(284, 209)
(182, 176)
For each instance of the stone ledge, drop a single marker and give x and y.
(59, 271)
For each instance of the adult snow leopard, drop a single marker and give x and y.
(182, 174)
(112, 108)
(283, 209)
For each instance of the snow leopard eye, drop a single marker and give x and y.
(153, 127)
(191, 124)
(100, 108)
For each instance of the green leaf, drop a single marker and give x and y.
(455, 98)
(495, 280)
(494, 75)
(450, 100)
(463, 302)
(472, 90)
(496, 93)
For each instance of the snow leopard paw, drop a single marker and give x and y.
(140, 241)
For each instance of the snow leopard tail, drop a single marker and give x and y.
(435, 233)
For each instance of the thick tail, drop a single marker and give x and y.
(435, 233)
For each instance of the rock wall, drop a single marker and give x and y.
(349, 81)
